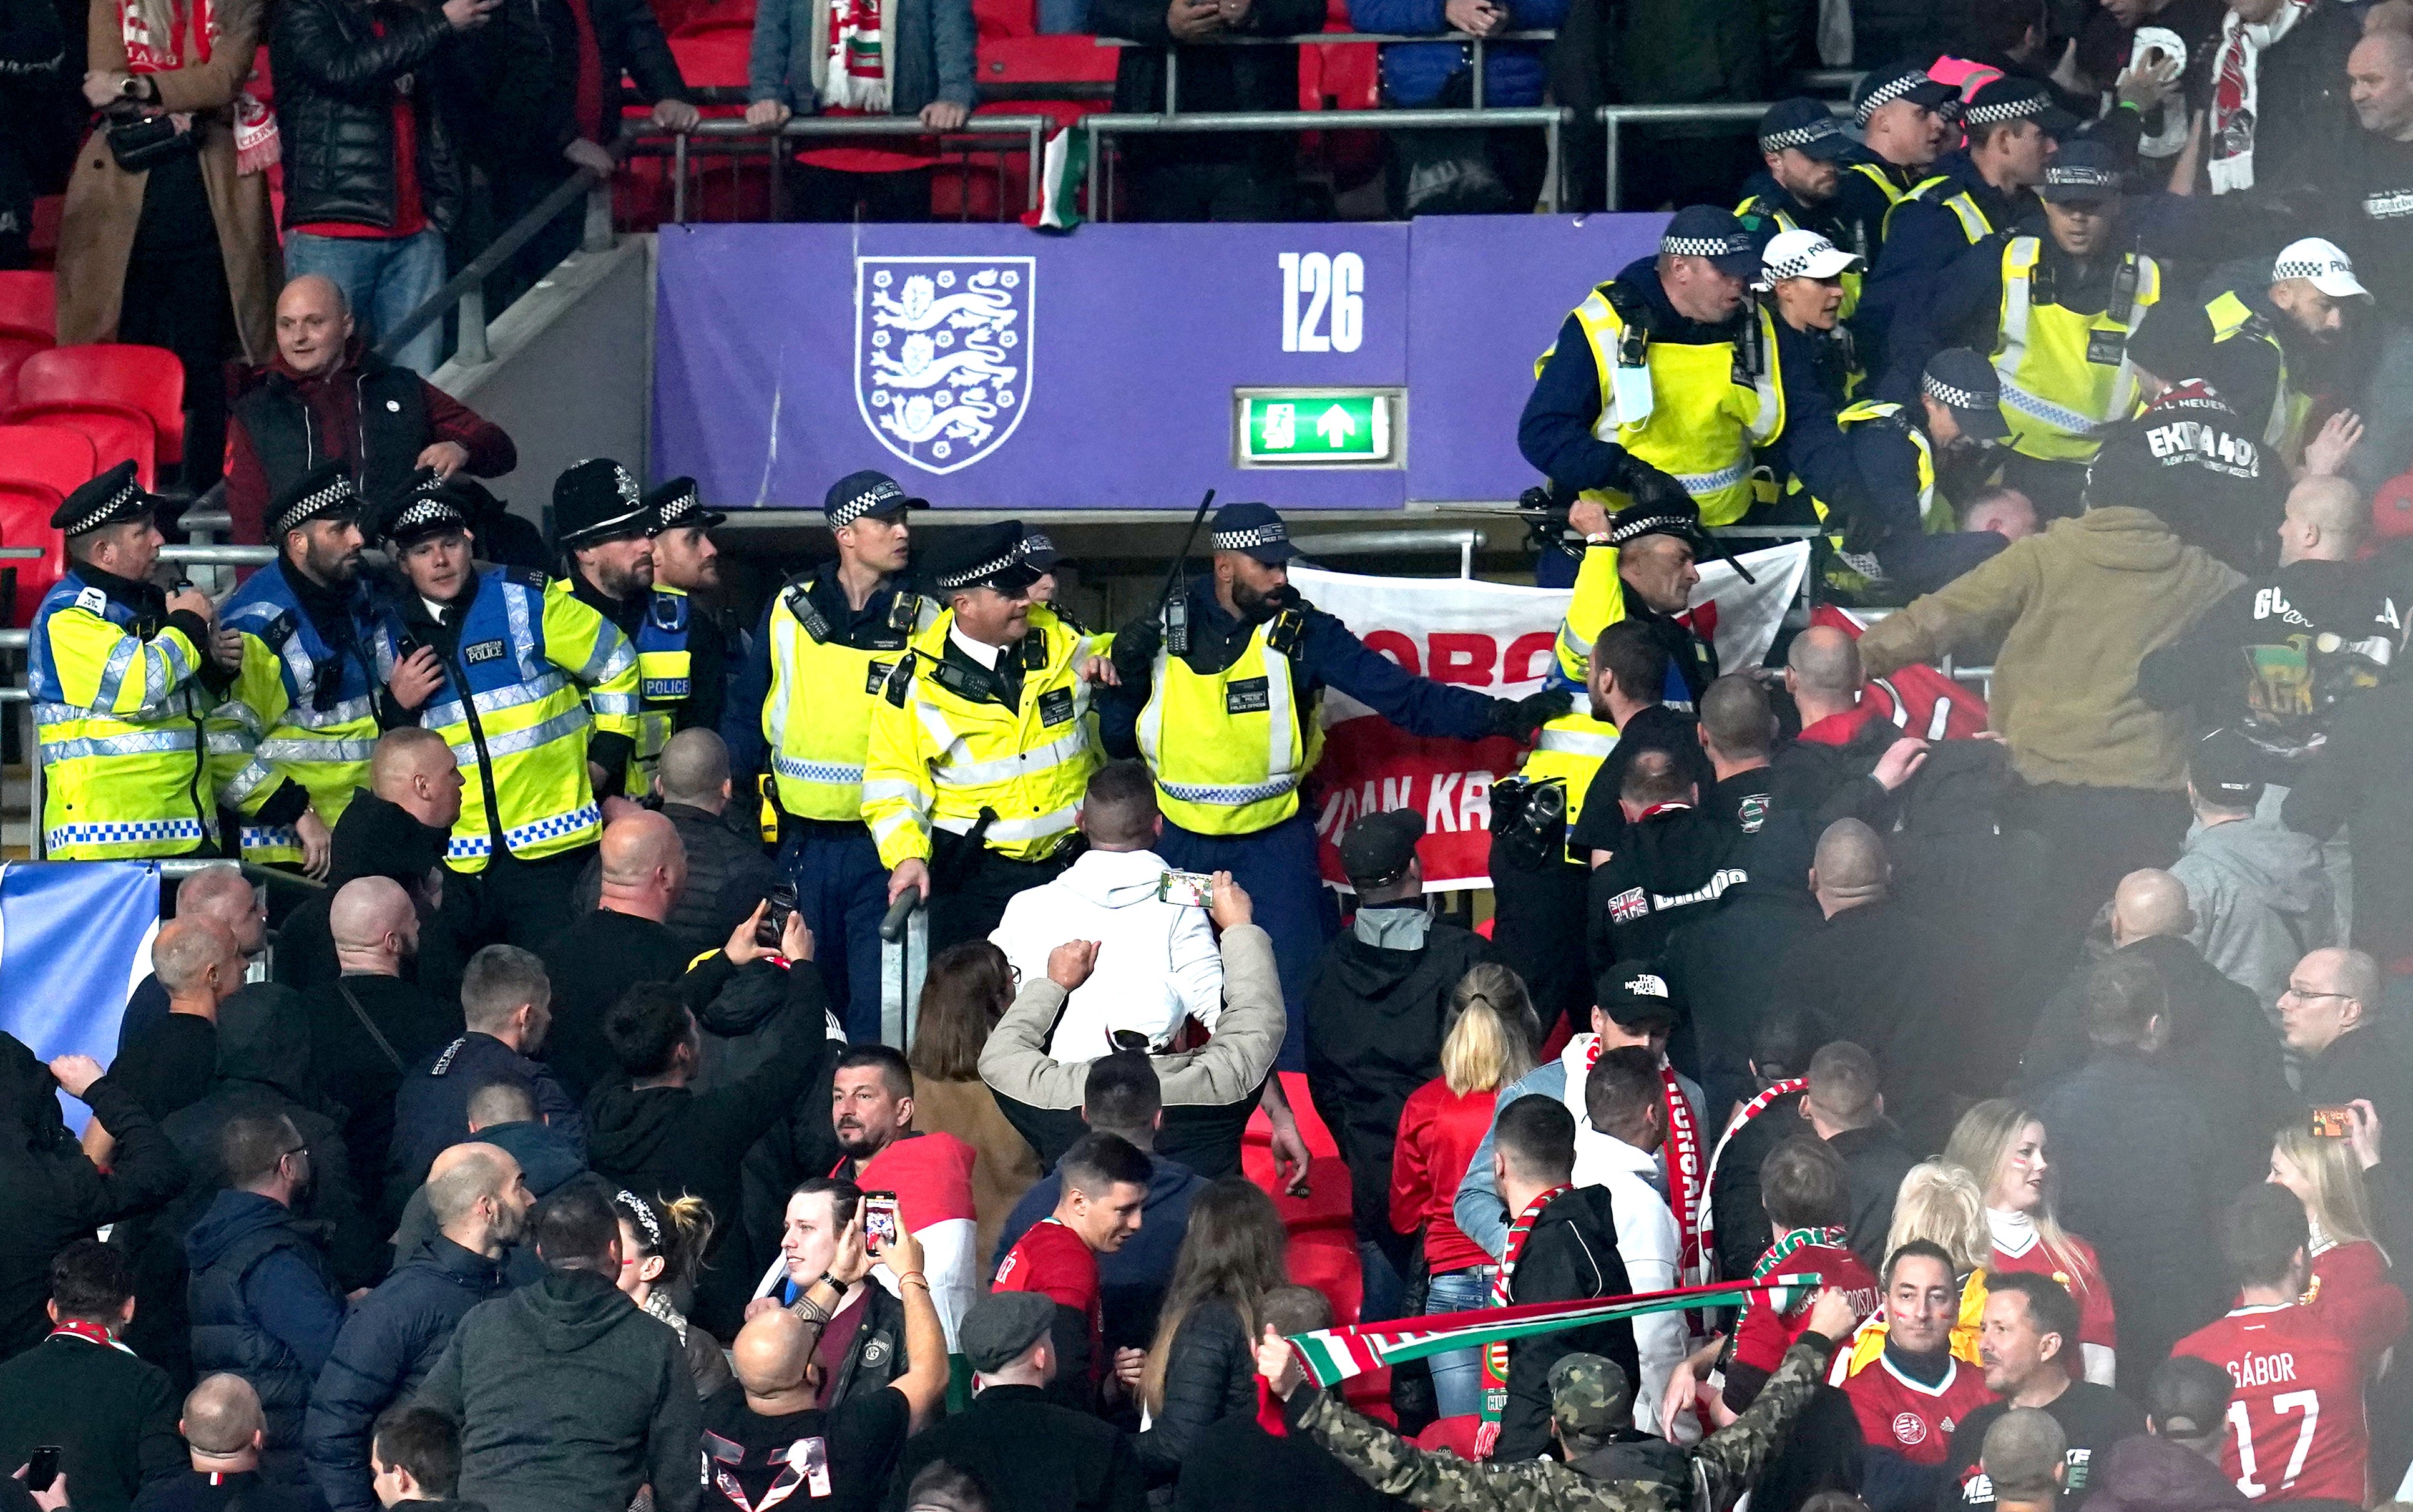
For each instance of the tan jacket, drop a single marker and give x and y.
(1007, 1166)
(105, 202)
(2068, 615)
(1227, 1069)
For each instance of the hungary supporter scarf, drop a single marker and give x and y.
(1495, 1352)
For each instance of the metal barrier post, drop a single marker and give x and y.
(472, 349)
(1037, 160)
(1172, 79)
(1098, 206)
(32, 748)
(598, 217)
(1478, 73)
(1610, 186)
(678, 179)
(1552, 188)
(907, 929)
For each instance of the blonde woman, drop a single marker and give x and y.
(2351, 1271)
(1489, 1043)
(662, 1240)
(2001, 1145)
(1939, 1204)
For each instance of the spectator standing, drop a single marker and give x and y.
(506, 1007)
(1844, 1107)
(2277, 115)
(1157, 966)
(1804, 1189)
(220, 892)
(1726, 965)
(82, 1389)
(871, 1116)
(2176, 1462)
(1912, 1394)
(2354, 1274)
(1201, 1367)
(503, 1115)
(1672, 863)
(32, 68)
(964, 994)
(2021, 1339)
(1375, 1013)
(226, 1433)
(1105, 1186)
(1504, 175)
(1235, 176)
(2257, 889)
(396, 827)
(1488, 1044)
(1030, 1453)
(623, 942)
(179, 250)
(2001, 1146)
(2347, 789)
(174, 1063)
(372, 179)
(1625, 1116)
(727, 873)
(2137, 1164)
(860, 1343)
(415, 1456)
(263, 1296)
(565, 1393)
(662, 1245)
(870, 57)
(1733, 1214)
(1122, 1097)
(2367, 199)
(1237, 1464)
(386, 1348)
(2326, 1017)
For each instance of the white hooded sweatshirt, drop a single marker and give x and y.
(1158, 963)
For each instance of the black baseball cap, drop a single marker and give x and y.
(2226, 769)
(1634, 994)
(2082, 172)
(1379, 847)
(1807, 126)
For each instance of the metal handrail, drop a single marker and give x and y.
(1371, 543)
(1466, 39)
(1032, 129)
(181, 866)
(1550, 118)
(1612, 117)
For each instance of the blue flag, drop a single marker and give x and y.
(75, 938)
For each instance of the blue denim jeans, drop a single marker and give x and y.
(1458, 1376)
(383, 279)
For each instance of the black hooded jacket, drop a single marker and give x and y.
(1570, 1254)
(374, 838)
(1375, 1018)
(1674, 865)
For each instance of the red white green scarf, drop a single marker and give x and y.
(91, 1333)
(1796, 1293)
(1744, 1116)
(1495, 1354)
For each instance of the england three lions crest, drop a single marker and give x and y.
(942, 354)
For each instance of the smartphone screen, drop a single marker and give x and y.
(43, 1468)
(880, 1219)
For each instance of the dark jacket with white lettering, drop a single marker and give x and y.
(1671, 867)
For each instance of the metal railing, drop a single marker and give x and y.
(904, 963)
(1465, 39)
(1031, 128)
(1382, 543)
(1552, 119)
(1612, 118)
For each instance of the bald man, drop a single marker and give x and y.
(370, 1023)
(174, 1063)
(1815, 776)
(225, 1431)
(2330, 1015)
(327, 395)
(1881, 977)
(220, 892)
(728, 874)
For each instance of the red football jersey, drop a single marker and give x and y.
(2097, 1323)
(2296, 1429)
(1052, 1260)
(2352, 1285)
(1912, 1420)
(1770, 1321)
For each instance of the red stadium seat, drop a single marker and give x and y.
(714, 57)
(1010, 17)
(117, 434)
(49, 454)
(29, 299)
(2391, 509)
(1045, 60)
(25, 509)
(17, 343)
(148, 380)
(705, 17)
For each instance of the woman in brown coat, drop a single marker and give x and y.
(963, 997)
(183, 254)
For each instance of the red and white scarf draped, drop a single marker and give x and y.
(191, 36)
(855, 53)
(2237, 106)
(1679, 1157)
(1736, 1125)
(1495, 1357)
(793, 1471)
(91, 1333)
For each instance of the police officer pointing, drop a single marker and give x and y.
(981, 744)
(1224, 711)
(117, 678)
(825, 648)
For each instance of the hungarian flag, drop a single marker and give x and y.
(1332, 1355)
(1919, 698)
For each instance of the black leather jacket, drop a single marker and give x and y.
(335, 80)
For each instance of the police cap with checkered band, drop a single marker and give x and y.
(1881, 87)
(870, 491)
(113, 498)
(427, 506)
(326, 491)
(676, 506)
(980, 557)
(1963, 382)
(1807, 126)
(1706, 232)
(1253, 530)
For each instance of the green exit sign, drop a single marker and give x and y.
(1317, 427)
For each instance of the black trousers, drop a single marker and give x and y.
(969, 888)
(829, 194)
(179, 301)
(514, 189)
(514, 902)
(2095, 836)
(1537, 930)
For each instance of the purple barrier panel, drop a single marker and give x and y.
(1487, 294)
(987, 367)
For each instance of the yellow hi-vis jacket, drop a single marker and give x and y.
(2234, 319)
(1975, 225)
(1849, 573)
(945, 746)
(1694, 411)
(510, 707)
(118, 709)
(816, 720)
(1229, 748)
(1572, 747)
(2066, 376)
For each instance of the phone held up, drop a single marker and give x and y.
(1189, 889)
(774, 927)
(878, 1219)
(43, 1467)
(2336, 1122)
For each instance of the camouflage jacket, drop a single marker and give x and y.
(1725, 1465)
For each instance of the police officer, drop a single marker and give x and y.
(980, 742)
(602, 526)
(1906, 118)
(1976, 191)
(1219, 694)
(2054, 312)
(121, 676)
(304, 713)
(687, 564)
(2269, 341)
(496, 661)
(1662, 381)
(801, 709)
(1803, 149)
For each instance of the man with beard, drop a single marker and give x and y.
(1219, 692)
(312, 695)
(480, 1201)
(1803, 147)
(369, 1024)
(687, 565)
(871, 1112)
(604, 529)
(2272, 342)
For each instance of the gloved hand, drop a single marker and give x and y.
(1518, 717)
(1647, 485)
(1135, 647)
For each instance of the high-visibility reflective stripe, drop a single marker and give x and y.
(976, 774)
(307, 752)
(878, 791)
(568, 723)
(918, 822)
(1710, 482)
(346, 712)
(496, 699)
(608, 658)
(586, 817)
(112, 676)
(1231, 796)
(235, 711)
(829, 772)
(1577, 741)
(271, 837)
(2046, 410)
(128, 832)
(150, 742)
(1008, 831)
(613, 703)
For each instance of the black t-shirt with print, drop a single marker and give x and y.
(859, 1439)
(2093, 1418)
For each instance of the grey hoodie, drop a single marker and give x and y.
(2261, 901)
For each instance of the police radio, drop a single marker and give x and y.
(1173, 605)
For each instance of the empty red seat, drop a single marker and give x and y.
(1045, 60)
(17, 343)
(707, 15)
(714, 57)
(1006, 18)
(2391, 509)
(30, 299)
(116, 434)
(148, 380)
(25, 510)
(51, 454)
